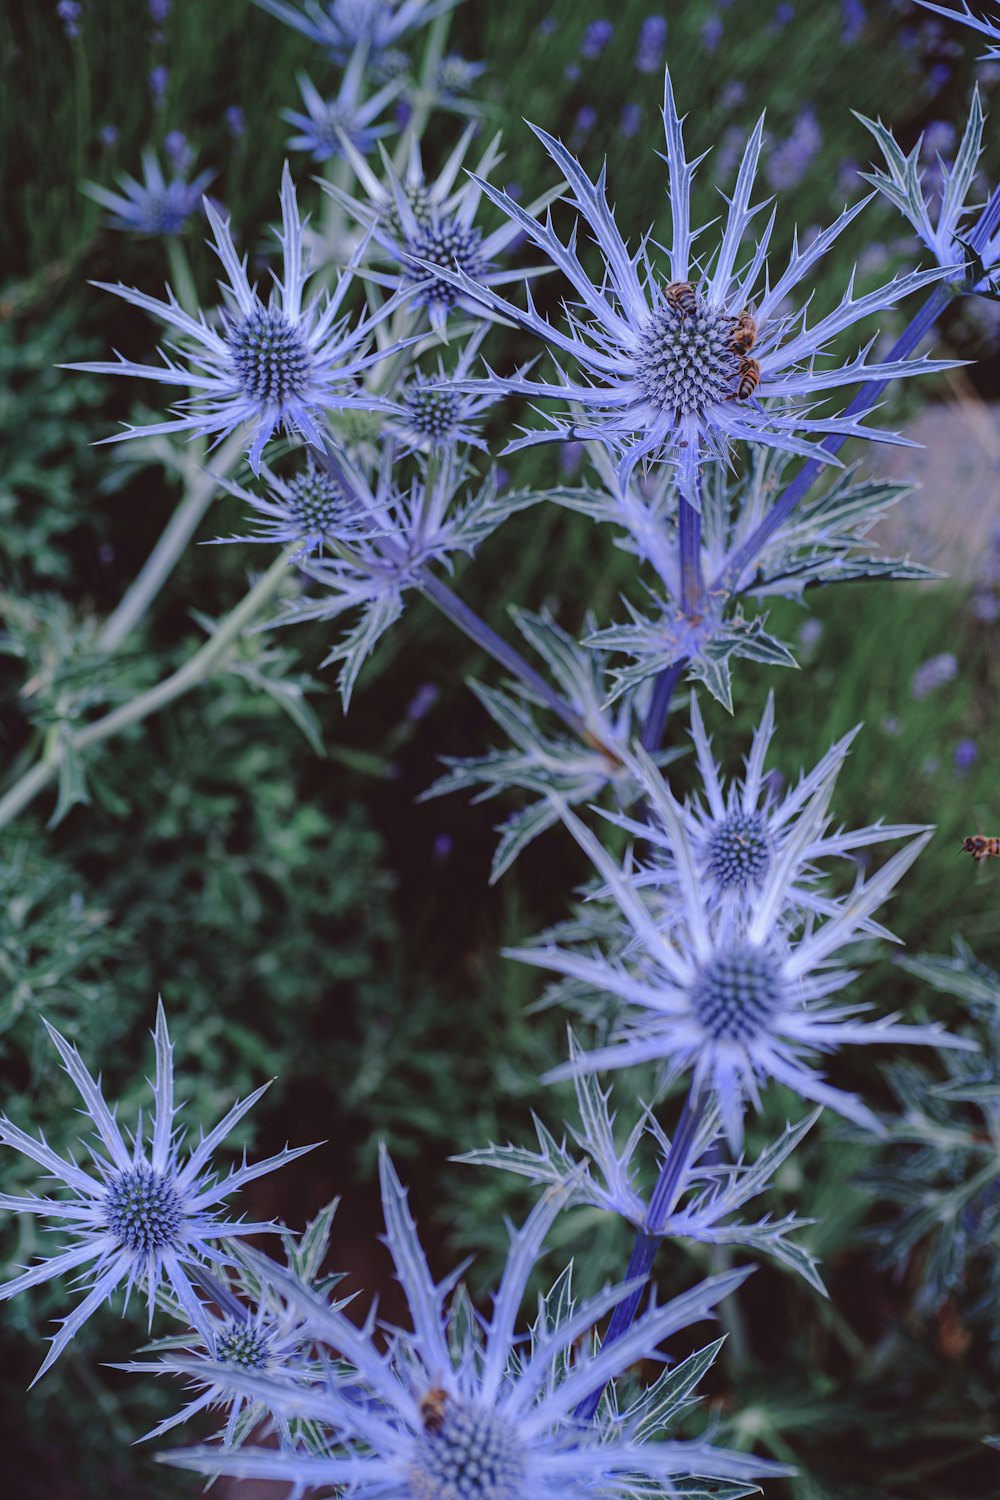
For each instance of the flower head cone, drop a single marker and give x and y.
(263, 365)
(140, 1214)
(733, 994)
(737, 831)
(463, 1408)
(677, 367)
(154, 205)
(311, 509)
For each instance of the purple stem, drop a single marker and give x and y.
(692, 581)
(647, 1240)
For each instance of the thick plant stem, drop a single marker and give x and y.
(195, 671)
(659, 705)
(169, 549)
(647, 1240)
(692, 581)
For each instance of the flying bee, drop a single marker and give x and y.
(432, 1409)
(748, 379)
(681, 298)
(744, 333)
(981, 847)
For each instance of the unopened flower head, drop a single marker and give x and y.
(465, 1408)
(731, 993)
(427, 225)
(262, 365)
(321, 130)
(343, 26)
(139, 1214)
(678, 366)
(154, 205)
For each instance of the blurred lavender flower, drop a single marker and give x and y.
(139, 1216)
(652, 44)
(783, 15)
(349, 114)
(69, 13)
(586, 119)
(790, 160)
(734, 94)
(966, 755)
(732, 993)
(158, 80)
(342, 26)
(179, 153)
(235, 121)
(279, 363)
(158, 11)
(630, 120)
(109, 136)
(854, 20)
(427, 227)
(596, 37)
(942, 215)
(660, 376)
(154, 205)
(932, 674)
(463, 1408)
(988, 28)
(711, 33)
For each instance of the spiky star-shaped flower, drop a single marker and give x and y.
(463, 1409)
(279, 363)
(154, 205)
(139, 1214)
(670, 368)
(343, 25)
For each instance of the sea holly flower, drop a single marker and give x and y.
(462, 1407)
(310, 509)
(678, 367)
(154, 205)
(942, 216)
(989, 28)
(263, 365)
(437, 411)
(252, 1329)
(737, 832)
(139, 1214)
(341, 26)
(426, 226)
(410, 527)
(732, 994)
(348, 113)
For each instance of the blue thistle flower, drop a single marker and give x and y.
(662, 375)
(988, 28)
(348, 113)
(437, 411)
(341, 26)
(310, 510)
(733, 992)
(462, 1408)
(736, 834)
(279, 363)
(154, 205)
(139, 1215)
(427, 228)
(455, 76)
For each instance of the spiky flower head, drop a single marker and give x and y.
(262, 365)
(310, 509)
(677, 365)
(342, 26)
(737, 833)
(140, 1213)
(153, 206)
(463, 1408)
(327, 121)
(438, 411)
(732, 993)
(426, 228)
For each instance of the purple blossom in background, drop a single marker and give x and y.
(571, 71)
(586, 119)
(235, 121)
(933, 674)
(734, 93)
(178, 151)
(570, 458)
(939, 76)
(854, 17)
(782, 16)
(985, 607)
(711, 33)
(966, 755)
(596, 38)
(630, 121)
(158, 84)
(790, 160)
(847, 177)
(109, 136)
(652, 42)
(548, 26)
(69, 12)
(422, 702)
(158, 11)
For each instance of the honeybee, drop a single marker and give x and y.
(981, 847)
(681, 298)
(744, 334)
(432, 1409)
(748, 378)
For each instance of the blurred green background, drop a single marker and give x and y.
(302, 915)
